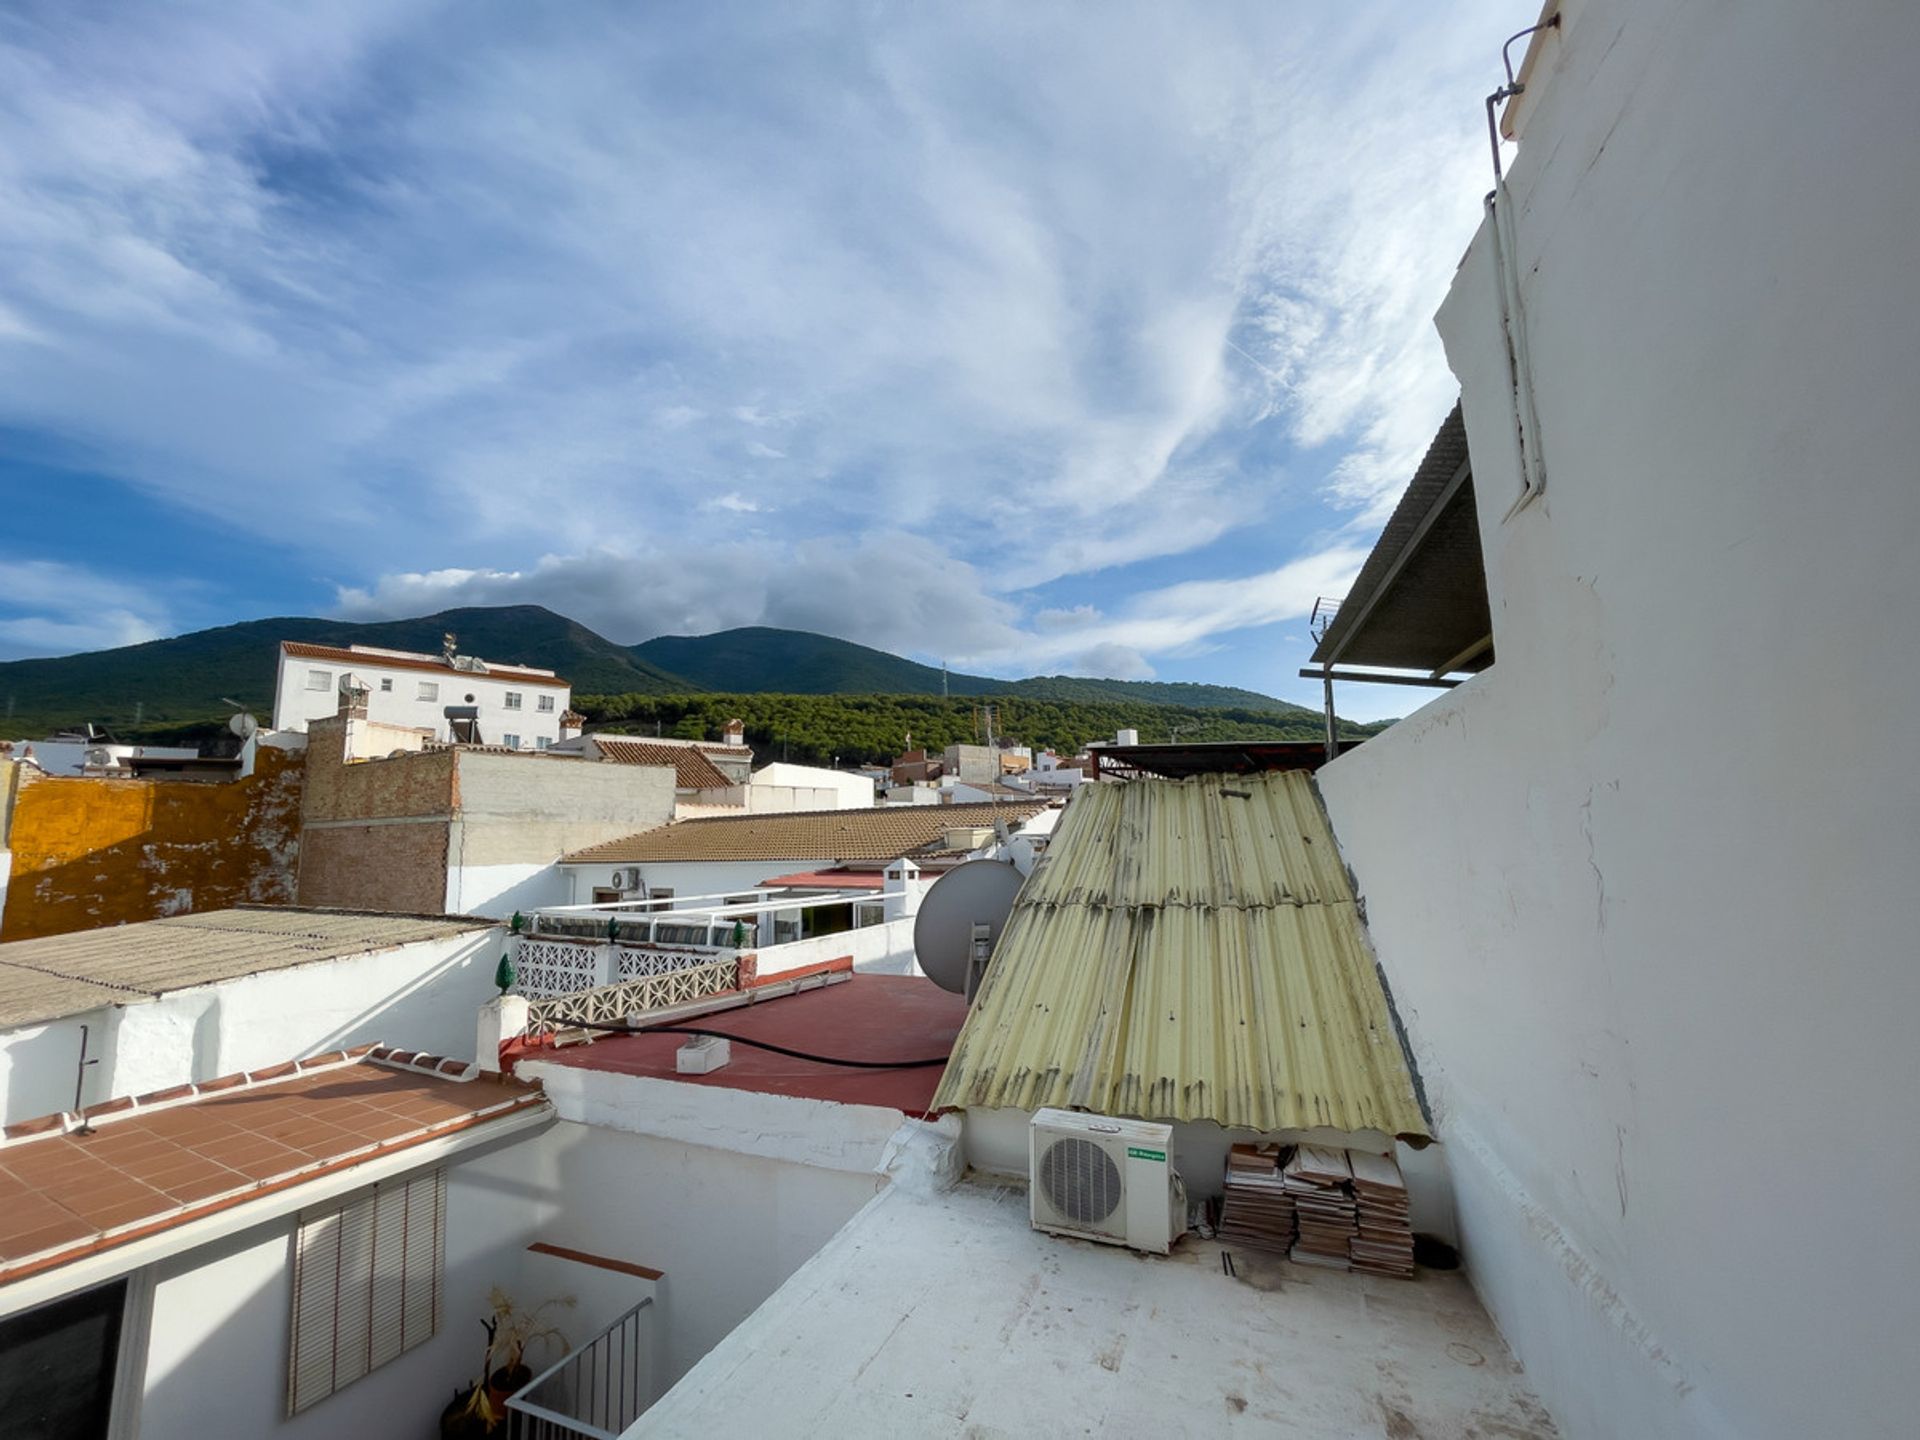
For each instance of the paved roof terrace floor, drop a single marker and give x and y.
(870, 1017)
(947, 1315)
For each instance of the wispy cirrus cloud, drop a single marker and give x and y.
(1028, 304)
(50, 608)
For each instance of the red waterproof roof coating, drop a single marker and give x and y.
(870, 1017)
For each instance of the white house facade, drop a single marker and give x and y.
(515, 705)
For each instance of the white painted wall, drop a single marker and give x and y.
(782, 786)
(217, 1353)
(1644, 890)
(727, 1191)
(422, 996)
(295, 703)
(884, 949)
(687, 878)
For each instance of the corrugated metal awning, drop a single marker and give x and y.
(1189, 950)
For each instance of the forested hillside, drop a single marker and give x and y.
(858, 729)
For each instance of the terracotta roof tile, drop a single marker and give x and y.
(339, 655)
(168, 1158)
(882, 834)
(692, 769)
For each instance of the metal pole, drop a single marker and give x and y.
(1333, 737)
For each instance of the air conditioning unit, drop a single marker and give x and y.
(626, 880)
(1105, 1179)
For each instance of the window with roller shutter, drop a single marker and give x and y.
(366, 1284)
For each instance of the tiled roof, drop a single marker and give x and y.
(827, 880)
(806, 835)
(692, 769)
(58, 975)
(167, 1159)
(339, 655)
(1189, 950)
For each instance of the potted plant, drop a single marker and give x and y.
(481, 1410)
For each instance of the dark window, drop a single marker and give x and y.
(57, 1364)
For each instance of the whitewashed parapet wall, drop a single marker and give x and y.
(1645, 890)
(421, 996)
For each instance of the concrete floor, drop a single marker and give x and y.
(947, 1315)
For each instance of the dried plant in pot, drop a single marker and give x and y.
(511, 1333)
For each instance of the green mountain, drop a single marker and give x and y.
(175, 686)
(759, 660)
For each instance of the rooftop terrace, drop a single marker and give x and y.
(947, 1315)
(870, 1018)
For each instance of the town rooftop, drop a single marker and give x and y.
(54, 976)
(872, 1019)
(879, 834)
(946, 1315)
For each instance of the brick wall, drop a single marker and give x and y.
(399, 867)
(91, 852)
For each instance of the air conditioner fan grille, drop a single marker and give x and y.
(1080, 1180)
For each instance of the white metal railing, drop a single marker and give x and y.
(612, 1004)
(595, 1392)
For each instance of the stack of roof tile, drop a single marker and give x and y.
(1318, 1180)
(1255, 1208)
(1384, 1242)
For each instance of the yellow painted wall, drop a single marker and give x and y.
(92, 852)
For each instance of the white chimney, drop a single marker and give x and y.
(734, 733)
(1127, 737)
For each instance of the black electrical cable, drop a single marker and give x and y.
(760, 1045)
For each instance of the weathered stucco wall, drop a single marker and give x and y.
(518, 814)
(91, 852)
(1644, 890)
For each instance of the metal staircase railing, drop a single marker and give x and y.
(596, 1392)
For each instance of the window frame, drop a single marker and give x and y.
(318, 680)
(544, 704)
(512, 699)
(427, 690)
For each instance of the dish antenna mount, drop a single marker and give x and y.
(960, 921)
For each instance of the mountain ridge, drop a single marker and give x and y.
(179, 682)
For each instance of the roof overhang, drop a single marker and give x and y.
(217, 1221)
(1420, 601)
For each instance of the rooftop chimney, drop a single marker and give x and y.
(734, 733)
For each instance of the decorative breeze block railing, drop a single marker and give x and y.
(611, 1004)
(550, 967)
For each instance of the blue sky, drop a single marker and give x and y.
(1036, 338)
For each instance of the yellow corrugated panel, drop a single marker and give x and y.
(1189, 950)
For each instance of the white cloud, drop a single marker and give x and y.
(1013, 301)
(60, 609)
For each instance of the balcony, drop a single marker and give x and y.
(633, 956)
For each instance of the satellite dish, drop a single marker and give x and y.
(980, 894)
(242, 724)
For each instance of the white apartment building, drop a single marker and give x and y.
(518, 706)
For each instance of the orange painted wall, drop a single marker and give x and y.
(92, 852)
